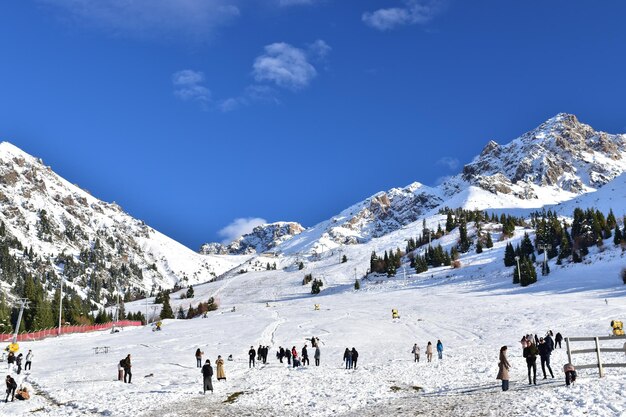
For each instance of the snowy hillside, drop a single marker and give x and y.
(473, 310)
(93, 240)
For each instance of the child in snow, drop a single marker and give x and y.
(570, 374)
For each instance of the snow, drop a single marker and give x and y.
(474, 310)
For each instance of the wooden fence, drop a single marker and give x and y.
(597, 350)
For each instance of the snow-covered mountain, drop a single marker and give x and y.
(561, 154)
(556, 162)
(263, 238)
(53, 227)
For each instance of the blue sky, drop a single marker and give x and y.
(192, 114)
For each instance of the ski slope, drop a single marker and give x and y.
(473, 310)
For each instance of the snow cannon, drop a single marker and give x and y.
(618, 328)
(394, 313)
(316, 307)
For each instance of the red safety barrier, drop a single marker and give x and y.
(42, 334)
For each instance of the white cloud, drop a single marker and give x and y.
(151, 18)
(239, 227)
(413, 12)
(284, 65)
(448, 161)
(253, 93)
(188, 86)
(319, 49)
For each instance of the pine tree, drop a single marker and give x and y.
(450, 224)
(301, 266)
(529, 274)
(617, 236)
(190, 292)
(357, 285)
(509, 255)
(181, 313)
(166, 310)
(489, 241)
(479, 247)
(526, 246)
(464, 242)
(344, 259)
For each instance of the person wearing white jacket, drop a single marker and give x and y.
(29, 359)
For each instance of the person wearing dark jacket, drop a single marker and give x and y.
(544, 353)
(207, 374)
(11, 359)
(305, 356)
(355, 358)
(439, 349)
(557, 340)
(252, 355)
(347, 356)
(281, 354)
(11, 387)
(127, 371)
(199, 354)
(259, 352)
(18, 362)
(288, 356)
(530, 353)
(549, 341)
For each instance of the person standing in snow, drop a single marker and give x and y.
(127, 371)
(570, 374)
(221, 375)
(429, 352)
(259, 353)
(317, 355)
(355, 358)
(416, 353)
(294, 357)
(544, 353)
(10, 359)
(530, 353)
(199, 354)
(18, 362)
(120, 370)
(549, 341)
(557, 340)
(252, 355)
(440, 349)
(266, 350)
(288, 355)
(347, 356)
(207, 374)
(281, 354)
(503, 369)
(29, 359)
(305, 356)
(11, 387)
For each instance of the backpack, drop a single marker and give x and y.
(122, 364)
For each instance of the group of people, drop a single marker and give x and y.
(351, 357)
(292, 355)
(207, 373)
(429, 351)
(533, 346)
(14, 363)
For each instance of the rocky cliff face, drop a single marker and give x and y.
(263, 238)
(561, 154)
(52, 228)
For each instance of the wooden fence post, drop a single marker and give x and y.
(569, 352)
(599, 359)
